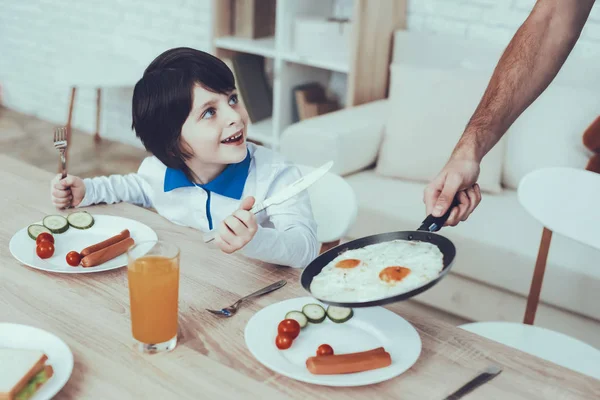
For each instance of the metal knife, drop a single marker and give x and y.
(285, 194)
(490, 373)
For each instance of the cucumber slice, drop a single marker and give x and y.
(56, 223)
(298, 316)
(35, 229)
(80, 220)
(314, 313)
(339, 315)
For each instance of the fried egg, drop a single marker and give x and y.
(378, 271)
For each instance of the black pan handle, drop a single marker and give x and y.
(434, 224)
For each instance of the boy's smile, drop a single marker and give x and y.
(236, 139)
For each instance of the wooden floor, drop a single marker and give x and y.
(30, 139)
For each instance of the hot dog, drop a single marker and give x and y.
(359, 354)
(349, 363)
(98, 246)
(107, 253)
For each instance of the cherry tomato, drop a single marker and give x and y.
(45, 250)
(324, 350)
(289, 327)
(44, 237)
(73, 258)
(283, 341)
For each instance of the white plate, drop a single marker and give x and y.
(59, 354)
(22, 246)
(369, 328)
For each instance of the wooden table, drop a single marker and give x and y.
(90, 313)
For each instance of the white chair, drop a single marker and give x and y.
(334, 207)
(565, 201)
(96, 71)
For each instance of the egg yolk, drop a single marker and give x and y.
(394, 274)
(348, 263)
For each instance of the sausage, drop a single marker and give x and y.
(359, 354)
(349, 363)
(107, 253)
(112, 240)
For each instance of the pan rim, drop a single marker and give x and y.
(450, 252)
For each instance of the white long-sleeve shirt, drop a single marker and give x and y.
(286, 232)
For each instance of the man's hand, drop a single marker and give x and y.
(238, 229)
(458, 176)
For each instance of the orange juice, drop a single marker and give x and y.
(153, 294)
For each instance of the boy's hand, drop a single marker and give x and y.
(67, 191)
(237, 229)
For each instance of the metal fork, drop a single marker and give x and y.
(60, 143)
(233, 309)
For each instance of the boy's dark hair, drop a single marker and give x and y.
(163, 99)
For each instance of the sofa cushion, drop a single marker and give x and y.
(429, 109)
(349, 137)
(550, 132)
(497, 245)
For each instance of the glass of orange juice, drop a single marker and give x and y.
(153, 277)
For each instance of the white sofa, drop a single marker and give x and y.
(436, 83)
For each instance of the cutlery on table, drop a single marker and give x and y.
(490, 373)
(232, 309)
(285, 194)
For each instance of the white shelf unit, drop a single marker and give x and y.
(365, 70)
(263, 47)
(331, 64)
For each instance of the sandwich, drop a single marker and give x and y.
(22, 373)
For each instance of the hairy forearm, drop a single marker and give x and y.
(528, 65)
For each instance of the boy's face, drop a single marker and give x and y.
(216, 128)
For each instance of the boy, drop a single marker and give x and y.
(186, 113)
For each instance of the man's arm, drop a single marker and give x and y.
(530, 62)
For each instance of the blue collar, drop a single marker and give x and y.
(229, 183)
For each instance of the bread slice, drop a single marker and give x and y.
(17, 368)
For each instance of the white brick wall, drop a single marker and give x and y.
(39, 36)
(495, 20)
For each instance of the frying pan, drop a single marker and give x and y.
(425, 233)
